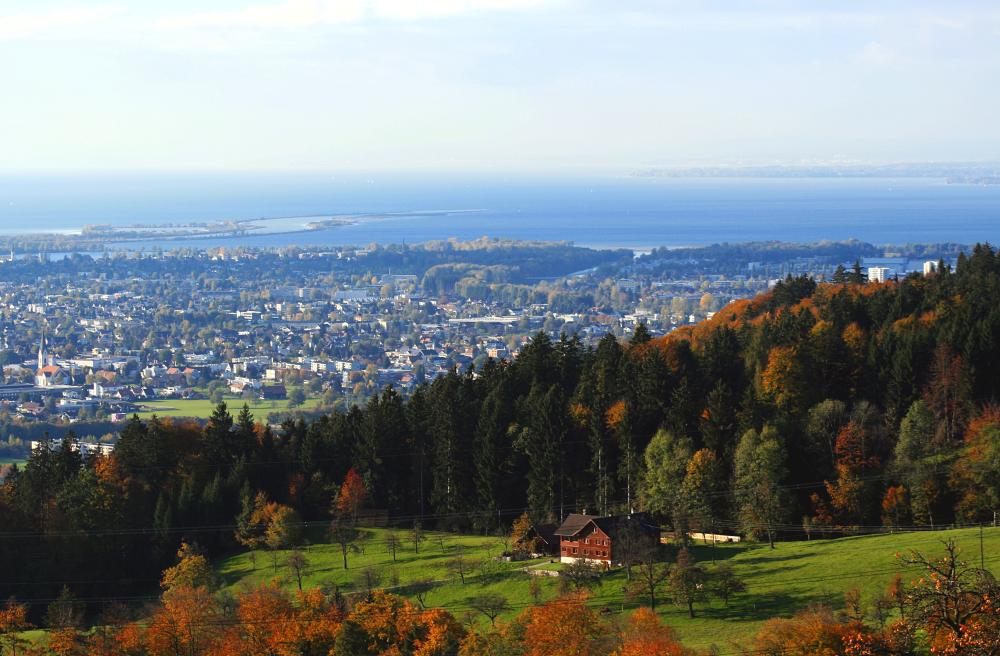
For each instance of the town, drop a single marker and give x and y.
(93, 340)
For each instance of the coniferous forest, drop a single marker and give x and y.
(814, 408)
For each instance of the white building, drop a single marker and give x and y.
(930, 266)
(878, 274)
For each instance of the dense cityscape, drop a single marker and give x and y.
(96, 339)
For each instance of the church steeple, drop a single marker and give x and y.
(41, 352)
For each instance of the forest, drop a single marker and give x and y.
(811, 409)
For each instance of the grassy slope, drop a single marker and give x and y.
(780, 581)
(202, 408)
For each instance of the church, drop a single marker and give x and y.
(48, 372)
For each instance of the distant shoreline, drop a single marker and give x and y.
(98, 236)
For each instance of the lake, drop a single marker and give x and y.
(599, 211)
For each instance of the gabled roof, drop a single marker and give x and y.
(573, 524)
(547, 533)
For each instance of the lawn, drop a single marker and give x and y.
(4, 460)
(326, 566)
(203, 408)
(780, 581)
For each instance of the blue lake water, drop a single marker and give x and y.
(592, 211)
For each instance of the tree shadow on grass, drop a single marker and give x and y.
(764, 606)
(706, 552)
(766, 574)
(772, 557)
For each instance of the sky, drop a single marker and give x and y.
(410, 85)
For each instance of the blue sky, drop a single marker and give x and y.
(493, 84)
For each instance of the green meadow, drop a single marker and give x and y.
(779, 581)
(203, 408)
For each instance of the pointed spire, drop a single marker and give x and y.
(41, 351)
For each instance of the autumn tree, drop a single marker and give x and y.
(394, 625)
(186, 623)
(266, 622)
(783, 379)
(247, 532)
(191, 571)
(811, 632)
(948, 393)
(520, 535)
(13, 623)
(849, 494)
(283, 531)
(563, 627)
(895, 506)
(352, 497)
(976, 473)
(644, 635)
(949, 595)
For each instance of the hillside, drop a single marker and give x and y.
(851, 407)
(780, 581)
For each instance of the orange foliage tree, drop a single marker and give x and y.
(187, 623)
(393, 624)
(853, 457)
(352, 496)
(782, 379)
(13, 621)
(564, 627)
(813, 632)
(643, 635)
(895, 506)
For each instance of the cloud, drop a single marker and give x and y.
(40, 24)
(309, 13)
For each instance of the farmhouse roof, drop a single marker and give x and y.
(573, 524)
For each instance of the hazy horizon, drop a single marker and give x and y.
(493, 85)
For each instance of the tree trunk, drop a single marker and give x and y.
(691, 608)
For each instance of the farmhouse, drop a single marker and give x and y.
(593, 539)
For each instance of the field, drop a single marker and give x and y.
(203, 408)
(4, 460)
(779, 581)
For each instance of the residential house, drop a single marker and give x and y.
(593, 539)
